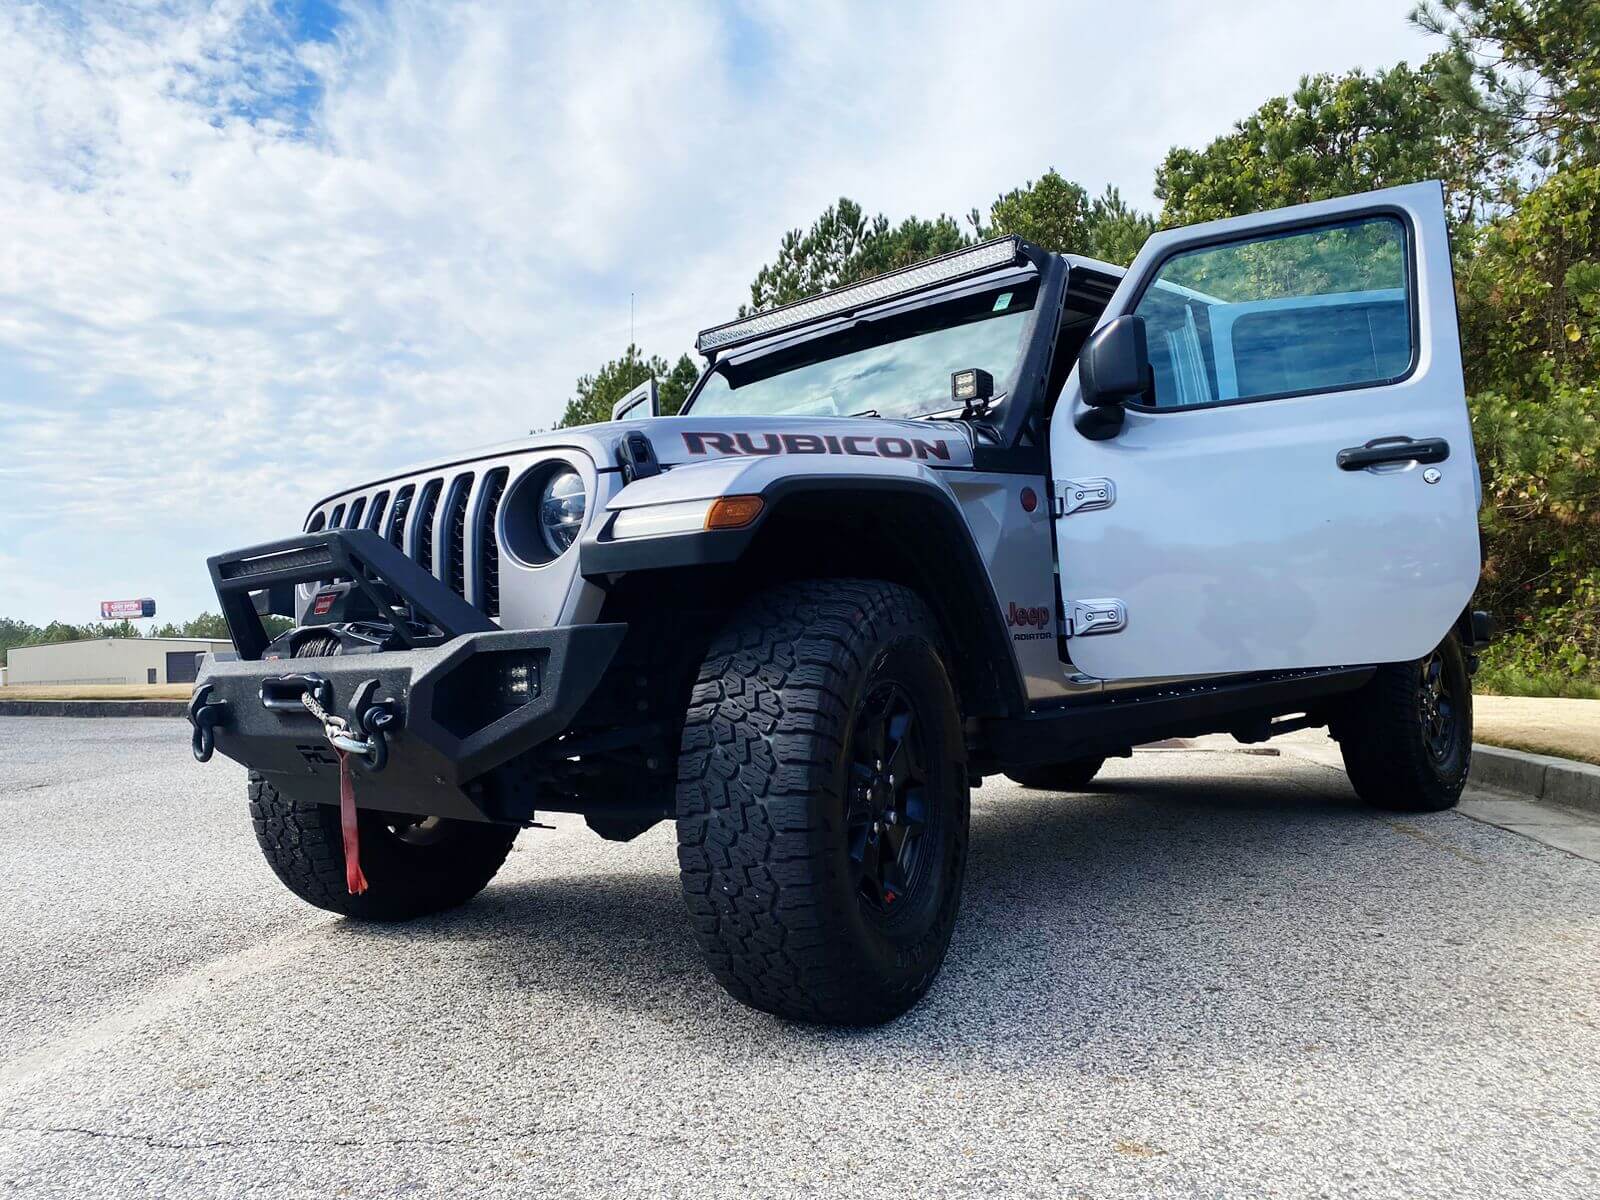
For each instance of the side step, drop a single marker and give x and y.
(1103, 725)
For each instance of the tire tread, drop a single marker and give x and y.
(1382, 744)
(767, 719)
(304, 846)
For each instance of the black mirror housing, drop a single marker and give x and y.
(1114, 366)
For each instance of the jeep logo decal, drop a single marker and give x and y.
(816, 443)
(1018, 618)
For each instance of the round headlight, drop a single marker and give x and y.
(561, 510)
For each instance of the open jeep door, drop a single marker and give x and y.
(1292, 482)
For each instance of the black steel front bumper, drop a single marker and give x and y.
(446, 736)
(450, 720)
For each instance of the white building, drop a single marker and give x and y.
(109, 660)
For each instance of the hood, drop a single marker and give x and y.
(681, 441)
(690, 439)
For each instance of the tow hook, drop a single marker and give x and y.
(362, 732)
(206, 715)
(366, 720)
(360, 735)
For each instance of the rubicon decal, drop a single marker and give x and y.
(864, 445)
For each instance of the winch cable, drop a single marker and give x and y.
(334, 728)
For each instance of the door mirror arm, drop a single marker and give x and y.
(1113, 368)
(647, 395)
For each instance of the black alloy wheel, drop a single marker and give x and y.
(888, 800)
(1406, 736)
(1435, 709)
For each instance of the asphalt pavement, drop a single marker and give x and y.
(1216, 975)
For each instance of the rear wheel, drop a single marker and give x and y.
(1071, 776)
(822, 801)
(414, 866)
(1406, 736)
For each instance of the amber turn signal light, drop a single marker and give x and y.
(733, 512)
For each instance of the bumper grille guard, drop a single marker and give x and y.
(396, 586)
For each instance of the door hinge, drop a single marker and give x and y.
(1083, 495)
(1085, 617)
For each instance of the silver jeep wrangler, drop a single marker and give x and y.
(1004, 511)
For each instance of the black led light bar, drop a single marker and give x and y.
(958, 264)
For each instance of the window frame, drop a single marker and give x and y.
(1356, 217)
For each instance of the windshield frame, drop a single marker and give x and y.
(896, 309)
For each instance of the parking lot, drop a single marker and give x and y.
(1216, 975)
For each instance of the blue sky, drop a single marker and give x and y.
(254, 250)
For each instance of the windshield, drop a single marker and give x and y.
(895, 367)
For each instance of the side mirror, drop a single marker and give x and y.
(646, 391)
(1113, 368)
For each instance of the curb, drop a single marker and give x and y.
(93, 708)
(1539, 777)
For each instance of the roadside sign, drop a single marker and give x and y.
(127, 610)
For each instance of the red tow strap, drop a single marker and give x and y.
(354, 880)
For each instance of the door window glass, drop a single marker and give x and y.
(1309, 311)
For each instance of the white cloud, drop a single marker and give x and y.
(239, 268)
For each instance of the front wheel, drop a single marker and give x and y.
(822, 803)
(1406, 736)
(413, 867)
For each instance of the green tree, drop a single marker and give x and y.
(1529, 67)
(1335, 136)
(598, 392)
(206, 625)
(843, 246)
(214, 626)
(1541, 524)
(16, 633)
(63, 631)
(1530, 323)
(1530, 290)
(1058, 214)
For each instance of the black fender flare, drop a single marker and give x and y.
(954, 579)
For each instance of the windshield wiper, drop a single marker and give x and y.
(868, 412)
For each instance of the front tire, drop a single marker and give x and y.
(412, 869)
(1406, 736)
(823, 802)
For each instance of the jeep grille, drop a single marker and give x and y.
(455, 533)
(445, 522)
(397, 519)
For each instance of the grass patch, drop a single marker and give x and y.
(1513, 681)
(1554, 747)
(1563, 726)
(97, 691)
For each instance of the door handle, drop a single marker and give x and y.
(1393, 450)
